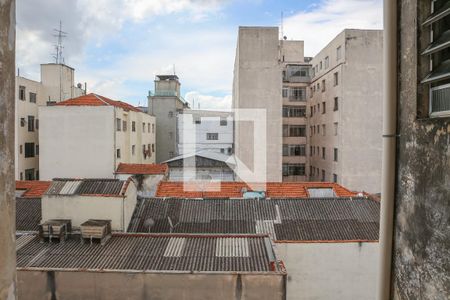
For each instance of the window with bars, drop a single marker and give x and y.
(294, 150)
(33, 97)
(293, 169)
(435, 54)
(212, 136)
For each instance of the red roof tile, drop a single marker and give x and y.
(145, 169)
(97, 100)
(234, 189)
(33, 188)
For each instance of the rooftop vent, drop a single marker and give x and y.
(99, 230)
(55, 229)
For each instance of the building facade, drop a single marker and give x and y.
(200, 130)
(89, 136)
(165, 103)
(345, 111)
(57, 84)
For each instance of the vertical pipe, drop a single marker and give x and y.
(389, 147)
(7, 116)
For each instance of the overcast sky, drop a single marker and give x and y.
(118, 46)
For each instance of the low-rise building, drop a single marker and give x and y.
(205, 130)
(172, 266)
(57, 84)
(89, 136)
(79, 200)
(145, 176)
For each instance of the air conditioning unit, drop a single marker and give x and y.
(55, 229)
(440, 100)
(99, 230)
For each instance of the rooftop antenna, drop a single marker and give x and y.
(58, 33)
(174, 73)
(281, 26)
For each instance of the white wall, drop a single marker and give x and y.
(76, 142)
(330, 270)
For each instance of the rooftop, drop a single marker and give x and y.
(97, 100)
(235, 189)
(32, 188)
(144, 169)
(88, 187)
(294, 220)
(166, 77)
(152, 252)
(28, 214)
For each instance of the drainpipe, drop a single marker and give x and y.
(389, 148)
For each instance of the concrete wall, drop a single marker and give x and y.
(257, 84)
(420, 268)
(98, 285)
(7, 184)
(77, 141)
(358, 117)
(330, 270)
(59, 80)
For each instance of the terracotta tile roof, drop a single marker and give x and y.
(144, 169)
(234, 189)
(33, 188)
(97, 100)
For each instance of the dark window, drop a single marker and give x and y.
(212, 136)
(323, 175)
(29, 174)
(148, 127)
(21, 176)
(118, 124)
(297, 130)
(335, 177)
(297, 94)
(29, 149)
(37, 123)
(143, 127)
(336, 104)
(33, 97)
(22, 122)
(37, 174)
(37, 149)
(222, 150)
(20, 149)
(153, 148)
(323, 85)
(133, 149)
(223, 122)
(293, 169)
(30, 123)
(124, 125)
(133, 126)
(336, 78)
(22, 92)
(335, 156)
(118, 153)
(324, 107)
(323, 152)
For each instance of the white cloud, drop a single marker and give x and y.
(208, 102)
(318, 26)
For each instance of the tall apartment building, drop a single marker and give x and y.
(89, 136)
(271, 74)
(57, 84)
(345, 111)
(165, 103)
(200, 130)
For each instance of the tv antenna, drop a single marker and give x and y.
(281, 26)
(58, 33)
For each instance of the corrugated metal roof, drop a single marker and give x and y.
(86, 187)
(28, 214)
(151, 253)
(313, 219)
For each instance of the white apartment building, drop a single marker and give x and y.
(89, 136)
(200, 130)
(345, 111)
(57, 84)
(272, 74)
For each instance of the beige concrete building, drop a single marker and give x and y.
(57, 84)
(89, 136)
(271, 74)
(345, 111)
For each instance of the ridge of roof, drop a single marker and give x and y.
(144, 169)
(93, 99)
(33, 188)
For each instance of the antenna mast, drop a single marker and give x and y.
(58, 33)
(281, 27)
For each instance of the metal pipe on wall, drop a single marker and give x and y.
(389, 148)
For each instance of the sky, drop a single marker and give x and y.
(118, 46)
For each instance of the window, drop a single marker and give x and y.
(29, 174)
(170, 114)
(118, 124)
(37, 175)
(222, 150)
(37, 123)
(324, 109)
(311, 112)
(318, 129)
(324, 127)
(29, 149)
(223, 122)
(294, 150)
(323, 85)
(285, 150)
(22, 122)
(335, 128)
(30, 123)
(149, 151)
(297, 94)
(148, 128)
(37, 149)
(335, 156)
(20, 149)
(197, 120)
(320, 64)
(336, 78)
(336, 104)
(297, 130)
(133, 150)
(153, 148)
(212, 136)
(285, 92)
(436, 58)
(133, 126)
(294, 111)
(118, 153)
(293, 169)
(311, 150)
(335, 178)
(33, 97)
(311, 92)
(153, 128)
(323, 152)
(327, 62)
(22, 93)
(310, 131)
(338, 53)
(323, 175)
(124, 125)
(143, 127)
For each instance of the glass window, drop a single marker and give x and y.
(22, 93)
(212, 136)
(338, 53)
(118, 124)
(30, 123)
(33, 97)
(29, 150)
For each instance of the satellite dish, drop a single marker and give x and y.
(149, 223)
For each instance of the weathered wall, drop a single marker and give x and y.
(7, 200)
(421, 253)
(90, 285)
(330, 270)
